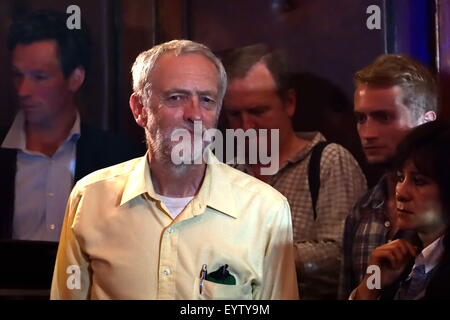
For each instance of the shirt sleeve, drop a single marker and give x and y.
(318, 260)
(279, 277)
(71, 276)
(346, 280)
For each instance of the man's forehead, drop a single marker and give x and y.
(376, 109)
(169, 58)
(39, 54)
(192, 72)
(379, 98)
(258, 78)
(183, 63)
(365, 90)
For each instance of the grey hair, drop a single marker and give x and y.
(145, 63)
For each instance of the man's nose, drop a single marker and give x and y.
(368, 130)
(23, 87)
(192, 110)
(247, 122)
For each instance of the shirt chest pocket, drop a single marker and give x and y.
(217, 291)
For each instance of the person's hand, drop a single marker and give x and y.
(392, 259)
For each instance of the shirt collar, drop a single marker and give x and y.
(139, 182)
(16, 137)
(430, 255)
(313, 138)
(376, 197)
(215, 184)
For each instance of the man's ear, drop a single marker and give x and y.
(427, 117)
(138, 110)
(290, 102)
(76, 79)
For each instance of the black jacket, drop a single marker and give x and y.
(96, 149)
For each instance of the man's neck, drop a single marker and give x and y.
(290, 145)
(47, 137)
(429, 237)
(176, 181)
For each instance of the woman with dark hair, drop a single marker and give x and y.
(409, 270)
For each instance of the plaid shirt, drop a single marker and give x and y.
(318, 243)
(365, 229)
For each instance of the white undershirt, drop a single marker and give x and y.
(175, 205)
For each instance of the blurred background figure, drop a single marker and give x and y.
(48, 147)
(321, 180)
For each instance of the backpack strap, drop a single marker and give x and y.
(314, 173)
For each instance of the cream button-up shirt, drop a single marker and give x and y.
(120, 242)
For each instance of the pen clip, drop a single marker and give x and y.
(203, 273)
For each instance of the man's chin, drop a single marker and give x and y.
(32, 115)
(180, 159)
(376, 160)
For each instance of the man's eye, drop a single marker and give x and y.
(207, 100)
(40, 77)
(257, 112)
(232, 113)
(360, 118)
(383, 117)
(176, 97)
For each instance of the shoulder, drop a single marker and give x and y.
(249, 187)
(331, 152)
(335, 158)
(335, 152)
(254, 202)
(113, 173)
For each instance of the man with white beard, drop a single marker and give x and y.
(153, 229)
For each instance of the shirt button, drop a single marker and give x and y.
(52, 227)
(167, 272)
(387, 224)
(51, 194)
(170, 230)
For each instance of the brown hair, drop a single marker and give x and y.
(416, 81)
(239, 61)
(427, 146)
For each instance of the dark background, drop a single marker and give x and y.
(326, 41)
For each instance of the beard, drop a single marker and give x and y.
(176, 146)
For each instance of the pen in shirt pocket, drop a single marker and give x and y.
(203, 273)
